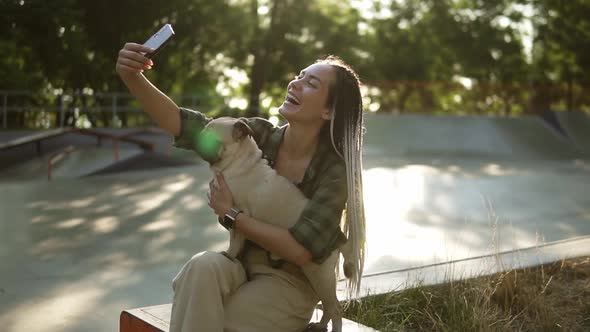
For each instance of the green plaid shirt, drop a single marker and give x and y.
(324, 182)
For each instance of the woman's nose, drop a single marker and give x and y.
(294, 84)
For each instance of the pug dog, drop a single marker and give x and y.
(257, 189)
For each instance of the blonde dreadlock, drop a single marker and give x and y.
(346, 134)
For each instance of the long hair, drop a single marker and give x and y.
(346, 134)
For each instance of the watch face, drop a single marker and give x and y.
(228, 221)
(230, 218)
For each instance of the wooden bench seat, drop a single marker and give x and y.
(157, 319)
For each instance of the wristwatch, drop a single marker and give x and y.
(230, 218)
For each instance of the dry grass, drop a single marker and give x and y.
(551, 297)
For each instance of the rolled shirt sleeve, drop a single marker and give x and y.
(193, 122)
(318, 227)
(191, 125)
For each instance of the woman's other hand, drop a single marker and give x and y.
(130, 61)
(220, 197)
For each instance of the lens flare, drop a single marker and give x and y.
(208, 144)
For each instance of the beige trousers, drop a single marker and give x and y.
(214, 293)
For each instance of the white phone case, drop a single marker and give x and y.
(158, 40)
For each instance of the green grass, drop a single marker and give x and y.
(552, 297)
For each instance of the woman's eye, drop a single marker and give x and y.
(308, 82)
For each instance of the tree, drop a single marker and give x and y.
(561, 55)
(425, 45)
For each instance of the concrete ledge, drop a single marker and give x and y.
(471, 267)
(157, 319)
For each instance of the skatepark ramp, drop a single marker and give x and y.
(527, 137)
(75, 153)
(577, 127)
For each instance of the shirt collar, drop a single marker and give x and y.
(320, 155)
(274, 141)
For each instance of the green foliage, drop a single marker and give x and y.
(438, 56)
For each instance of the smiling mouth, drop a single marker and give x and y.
(292, 100)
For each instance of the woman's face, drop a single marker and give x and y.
(307, 95)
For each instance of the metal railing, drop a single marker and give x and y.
(14, 101)
(116, 139)
(127, 137)
(59, 154)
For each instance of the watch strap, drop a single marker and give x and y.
(230, 218)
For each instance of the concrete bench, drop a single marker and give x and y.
(157, 319)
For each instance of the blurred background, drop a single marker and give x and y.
(493, 57)
(476, 157)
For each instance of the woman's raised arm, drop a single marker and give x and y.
(130, 66)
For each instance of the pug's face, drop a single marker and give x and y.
(219, 135)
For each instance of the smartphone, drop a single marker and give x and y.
(158, 40)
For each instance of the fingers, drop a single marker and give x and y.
(220, 179)
(137, 48)
(220, 182)
(134, 56)
(134, 60)
(212, 186)
(132, 65)
(130, 61)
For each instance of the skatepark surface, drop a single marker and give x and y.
(446, 197)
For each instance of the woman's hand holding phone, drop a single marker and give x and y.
(131, 61)
(135, 58)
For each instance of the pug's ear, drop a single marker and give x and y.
(241, 130)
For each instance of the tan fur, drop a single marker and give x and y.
(266, 196)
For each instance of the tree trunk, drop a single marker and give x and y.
(70, 116)
(507, 99)
(261, 51)
(89, 113)
(426, 100)
(570, 92)
(403, 98)
(540, 100)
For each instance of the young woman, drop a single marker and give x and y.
(320, 151)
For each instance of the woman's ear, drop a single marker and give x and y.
(327, 113)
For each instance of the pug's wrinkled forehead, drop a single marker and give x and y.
(221, 127)
(220, 133)
(229, 129)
